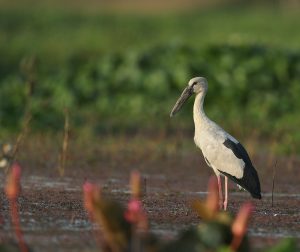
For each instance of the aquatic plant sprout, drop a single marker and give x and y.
(12, 190)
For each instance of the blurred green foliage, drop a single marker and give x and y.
(124, 73)
(249, 87)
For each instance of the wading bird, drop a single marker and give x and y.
(222, 152)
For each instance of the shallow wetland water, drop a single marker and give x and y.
(53, 218)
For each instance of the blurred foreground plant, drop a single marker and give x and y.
(12, 190)
(128, 230)
(218, 231)
(123, 229)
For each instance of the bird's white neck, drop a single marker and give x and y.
(198, 113)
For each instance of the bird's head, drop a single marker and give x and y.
(195, 86)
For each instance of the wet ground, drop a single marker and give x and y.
(53, 218)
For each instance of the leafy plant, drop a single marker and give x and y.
(135, 90)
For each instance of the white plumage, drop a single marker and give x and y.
(222, 152)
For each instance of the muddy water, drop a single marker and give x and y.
(53, 218)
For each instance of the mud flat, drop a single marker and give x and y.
(53, 218)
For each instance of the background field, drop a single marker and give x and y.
(121, 71)
(118, 68)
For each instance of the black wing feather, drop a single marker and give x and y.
(250, 180)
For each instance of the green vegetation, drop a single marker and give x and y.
(124, 73)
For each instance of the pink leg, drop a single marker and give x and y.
(220, 192)
(226, 193)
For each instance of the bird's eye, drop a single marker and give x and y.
(194, 83)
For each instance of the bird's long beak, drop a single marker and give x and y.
(187, 92)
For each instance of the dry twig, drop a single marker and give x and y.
(273, 181)
(63, 154)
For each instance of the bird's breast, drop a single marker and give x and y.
(197, 141)
(200, 139)
(209, 144)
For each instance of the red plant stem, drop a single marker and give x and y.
(14, 211)
(239, 226)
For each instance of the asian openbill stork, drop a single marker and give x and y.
(222, 152)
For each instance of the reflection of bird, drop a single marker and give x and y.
(222, 152)
(5, 154)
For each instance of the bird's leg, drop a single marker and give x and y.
(220, 192)
(226, 193)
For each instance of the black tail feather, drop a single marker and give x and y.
(249, 181)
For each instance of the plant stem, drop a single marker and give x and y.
(16, 223)
(63, 155)
(273, 181)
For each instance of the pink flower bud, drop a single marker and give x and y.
(135, 212)
(91, 193)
